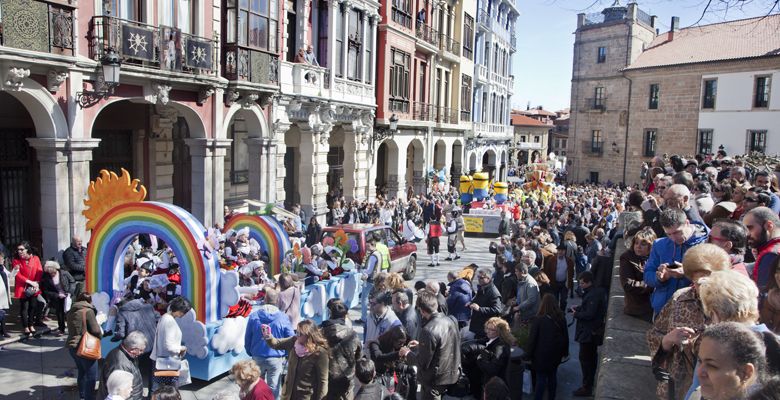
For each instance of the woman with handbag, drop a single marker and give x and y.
(83, 343)
(57, 286)
(548, 345)
(28, 277)
(167, 350)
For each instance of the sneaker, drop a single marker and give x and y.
(583, 392)
(437, 264)
(431, 265)
(448, 259)
(457, 257)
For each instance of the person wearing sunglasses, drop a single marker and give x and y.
(755, 197)
(731, 236)
(29, 274)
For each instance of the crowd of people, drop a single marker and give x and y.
(697, 245)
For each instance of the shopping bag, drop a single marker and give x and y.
(527, 382)
(68, 303)
(184, 373)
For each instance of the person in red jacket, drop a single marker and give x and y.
(246, 374)
(28, 274)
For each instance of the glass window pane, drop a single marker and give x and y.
(244, 3)
(242, 27)
(262, 33)
(254, 30)
(255, 6)
(231, 25)
(263, 7)
(272, 37)
(183, 16)
(274, 10)
(231, 3)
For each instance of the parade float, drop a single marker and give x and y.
(213, 331)
(483, 214)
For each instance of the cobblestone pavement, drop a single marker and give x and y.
(40, 369)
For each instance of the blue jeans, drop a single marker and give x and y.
(367, 287)
(87, 375)
(271, 369)
(546, 381)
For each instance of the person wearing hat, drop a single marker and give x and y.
(560, 269)
(144, 266)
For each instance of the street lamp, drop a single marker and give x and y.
(381, 134)
(111, 65)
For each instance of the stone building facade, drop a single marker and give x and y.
(653, 101)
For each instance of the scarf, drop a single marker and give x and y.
(301, 350)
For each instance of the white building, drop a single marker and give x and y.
(741, 112)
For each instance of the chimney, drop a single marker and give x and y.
(675, 27)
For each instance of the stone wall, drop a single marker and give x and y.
(624, 361)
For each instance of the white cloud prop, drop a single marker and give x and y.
(193, 335)
(230, 336)
(228, 291)
(101, 302)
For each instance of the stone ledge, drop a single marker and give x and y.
(624, 362)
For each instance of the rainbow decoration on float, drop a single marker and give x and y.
(180, 231)
(268, 232)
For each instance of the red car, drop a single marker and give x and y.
(403, 254)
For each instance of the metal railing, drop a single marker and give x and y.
(399, 105)
(423, 111)
(448, 44)
(446, 115)
(597, 103)
(155, 47)
(59, 31)
(244, 64)
(465, 116)
(592, 147)
(483, 17)
(428, 34)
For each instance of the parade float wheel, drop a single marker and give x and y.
(411, 268)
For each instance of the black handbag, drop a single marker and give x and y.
(462, 387)
(30, 291)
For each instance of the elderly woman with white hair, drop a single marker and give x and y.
(124, 359)
(57, 286)
(120, 384)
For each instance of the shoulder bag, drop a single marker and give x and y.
(89, 346)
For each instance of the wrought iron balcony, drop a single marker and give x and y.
(513, 40)
(37, 26)
(597, 103)
(427, 34)
(423, 112)
(399, 105)
(593, 147)
(483, 18)
(449, 45)
(465, 116)
(155, 47)
(254, 66)
(446, 115)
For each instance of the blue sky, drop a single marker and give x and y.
(543, 62)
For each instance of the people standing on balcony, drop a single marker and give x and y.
(300, 57)
(310, 57)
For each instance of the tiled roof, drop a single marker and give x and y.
(522, 120)
(733, 40)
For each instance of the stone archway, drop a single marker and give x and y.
(439, 155)
(248, 161)
(472, 163)
(387, 169)
(456, 168)
(489, 163)
(415, 167)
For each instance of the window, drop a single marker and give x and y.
(369, 53)
(537, 138)
(322, 33)
(256, 25)
(446, 92)
(705, 141)
(338, 66)
(468, 37)
(522, 138)
(355, 39)
(423, 68)
(177, 13)
(564, 143)
(465, 98)
(602, 55)
(124, 9)
(399, 80)
(239, 156)
(761, 99)
(710, 92)
(595, 141)
(484, 106)
(654, 92)
(756, 141)
(650, 138)
(598, 98)
(402, 13)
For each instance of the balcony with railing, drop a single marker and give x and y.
(302, 79)
(159, 48)
(446, 115)
(449, 45)
(596, 104)
(427, 34)
(529, 146)
(593, 147)
(37, 26)
(399, 105)
(423, 111)
(482, 73)
(483, 18)
(465, 115)
(494, 130)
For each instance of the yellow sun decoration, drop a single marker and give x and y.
(109, 191)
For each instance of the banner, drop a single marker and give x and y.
(137, 42)
(473, 224)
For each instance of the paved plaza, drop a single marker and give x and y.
(41, 369)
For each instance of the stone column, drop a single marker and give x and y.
(276, 149)
(314, 164)
(344, 58)
(80, 151)
(219, 149)
(258, 169)
(363, 53)
(55, 207)
(351, 173)
(335, 10)
(374, 24)
(202, 183)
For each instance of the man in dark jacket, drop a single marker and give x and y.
(459, 298)
(589, 332)
(486, 304)
(437, 355)
(402, 305)
(345, 350)
(74, 259)
(125, 358)
(138, 315)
